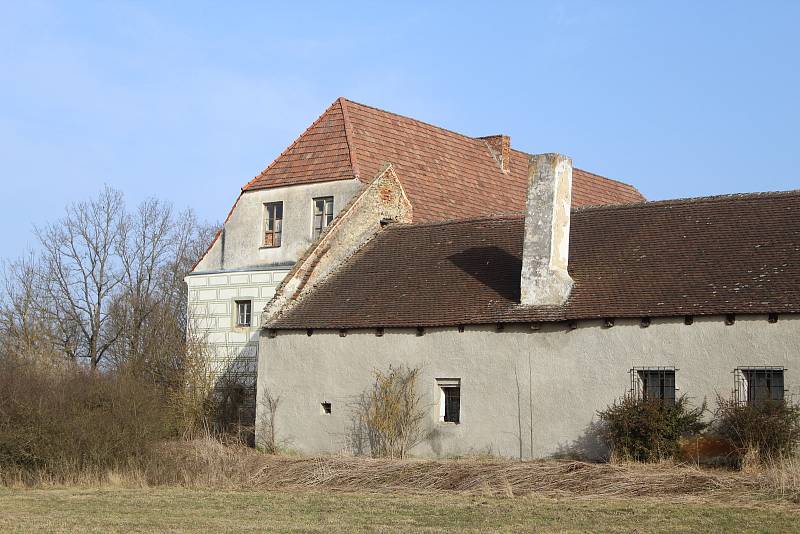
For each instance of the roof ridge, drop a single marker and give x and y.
(478, 138)
(414, 120)
(297, 140)
(348, 134)
(604, 177)
(691, 200)
(676, 201)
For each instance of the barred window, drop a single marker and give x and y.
(756, 385)
(273, 224)
(323, 214)
(656, 383)
(243, 312)
(449, 400)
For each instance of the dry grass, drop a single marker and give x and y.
(207, 463)
(496, 477)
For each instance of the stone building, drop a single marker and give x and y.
(332, 169)
(525, 324)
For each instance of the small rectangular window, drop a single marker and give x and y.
(757, 385)
(323, 214)
(243, 312)
(326, 408)
(273, 224)
(449, 400)
(655, 383)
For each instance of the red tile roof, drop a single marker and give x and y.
(704, 256)
(445, 174)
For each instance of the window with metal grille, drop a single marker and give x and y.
(273, 224)
(756, 385)
(655, 383)
(243, 312)
(450, 400)
(323, 214)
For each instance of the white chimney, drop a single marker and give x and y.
(545, 280)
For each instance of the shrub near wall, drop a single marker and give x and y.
(648, 430)
(770, 429)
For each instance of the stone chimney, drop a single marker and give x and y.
(545, 280)
(500, 147)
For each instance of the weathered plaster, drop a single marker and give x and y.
(240, 244)
(545, 280)
(382, 201)
(575, 373)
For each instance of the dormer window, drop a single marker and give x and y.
(273, 224)
(323, 215)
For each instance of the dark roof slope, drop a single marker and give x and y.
(445, 174)
(716, 255)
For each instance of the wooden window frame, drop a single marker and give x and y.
(322, 215)
(272, 231)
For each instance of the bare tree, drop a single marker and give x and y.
(23, 327)
(82, 274)
(108, 285)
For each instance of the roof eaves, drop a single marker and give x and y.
(688, 200)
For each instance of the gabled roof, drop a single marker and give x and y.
(445, 174)
(703, 256)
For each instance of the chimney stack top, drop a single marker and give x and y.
(500, 148)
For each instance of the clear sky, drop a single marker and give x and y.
(189, 100)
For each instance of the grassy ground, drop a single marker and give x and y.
(185, 510)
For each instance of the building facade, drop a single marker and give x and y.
(522, 392)
(281, 213)
(523, 326)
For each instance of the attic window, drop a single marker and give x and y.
(323, 214)
(273, 224)
(449, 400)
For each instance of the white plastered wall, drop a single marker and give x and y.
(238, 266)
(575, 373)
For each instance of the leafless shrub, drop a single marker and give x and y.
(191, 400)
(67, 419)
(648, 430)
(269, 408)
(390, 413)
(768, 431)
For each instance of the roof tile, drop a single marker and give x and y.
(705, 256)
(445, 174)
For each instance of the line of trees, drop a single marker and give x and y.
(98, 363)
(104, 286)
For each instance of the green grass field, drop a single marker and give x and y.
(183, 510)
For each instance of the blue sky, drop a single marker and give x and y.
(188, 101)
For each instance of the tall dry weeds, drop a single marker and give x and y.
(390, 413)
